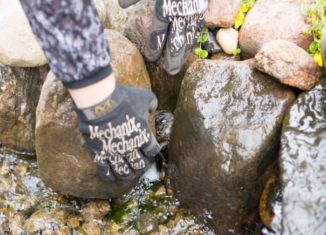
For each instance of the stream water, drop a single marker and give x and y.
(29, 207)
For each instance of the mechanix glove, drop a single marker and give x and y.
(175, 29)
(117, 133)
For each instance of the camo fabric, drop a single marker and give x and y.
(72, 39)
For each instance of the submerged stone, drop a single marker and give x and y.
(225, 134)
(303, 164)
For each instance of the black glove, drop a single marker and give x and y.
(117, 133)
(176, 27)
(176, 23)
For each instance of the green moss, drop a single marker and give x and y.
(118, 212)
(286, 120)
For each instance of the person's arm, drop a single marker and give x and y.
(112, 118)
(72, 38)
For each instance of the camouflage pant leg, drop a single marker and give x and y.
(72, 38)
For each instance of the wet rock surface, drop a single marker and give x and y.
(64, 161)
(18, 46)
(271, 20)
(222, 15)
(303, 161)
(19, 93)
(225, 134)
(289, 64)
(29, 207)
(269, 199)
(165, 86)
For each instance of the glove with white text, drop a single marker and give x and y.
(117, 133)
(176, 27)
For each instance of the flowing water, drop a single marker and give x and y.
(29, 207)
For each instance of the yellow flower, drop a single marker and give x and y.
(239, 19)
(244, 8)
(319, 59)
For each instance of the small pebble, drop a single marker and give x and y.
(73, 222)
(21, 169)
(161, 191)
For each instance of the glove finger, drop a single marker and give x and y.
(175, 51)
(181, 41)
(157, 39)
(137, 161)
(120, 167)
(143, 100)
(152, 148)
(104, 169)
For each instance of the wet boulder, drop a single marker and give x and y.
(270, 202)
(271, 20)
(289, 64)
(225, 135)
(64, 162)
(18, 46)
(303, 161)
(19, 93)
(165, 86)
(223, 15)
(117, 17)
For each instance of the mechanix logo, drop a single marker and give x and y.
(183, 7)
(120, 143)
(186, 17)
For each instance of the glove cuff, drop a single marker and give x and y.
(102, 108)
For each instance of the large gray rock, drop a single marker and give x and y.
(165, 86)
(18, 46)
(19, 93)
(64, 162)
(289, 64)
(221, 14)
(225, 134)
(271, 20)
(303, 162)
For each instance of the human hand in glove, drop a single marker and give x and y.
(117, 133)
(175, 29)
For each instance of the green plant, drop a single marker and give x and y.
(315, 16)
(199, 51)
(236, 51)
